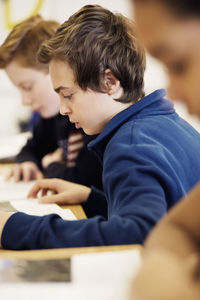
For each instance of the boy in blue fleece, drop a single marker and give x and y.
(150, 155)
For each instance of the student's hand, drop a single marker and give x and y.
(50, 158)
(4, 216)
(25, 171)
(63, 192)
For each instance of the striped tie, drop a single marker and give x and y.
(75, 144)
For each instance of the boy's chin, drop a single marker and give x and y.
(90, 131)
(46, 114)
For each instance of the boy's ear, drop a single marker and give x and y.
(112, 84)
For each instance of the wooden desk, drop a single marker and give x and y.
(59, 253)
(4, 168)
(77, 210)
(62, 253)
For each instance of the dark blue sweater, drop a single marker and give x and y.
(150, 160)
(48, 135)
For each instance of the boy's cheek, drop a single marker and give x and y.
(164, 276)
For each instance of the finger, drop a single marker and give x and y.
(35, 189)
(38, 175)
(9, 175)
(26, 174)
(45, 161)
(56, 198)
(39, 185)
(44, 192)
(17, 173)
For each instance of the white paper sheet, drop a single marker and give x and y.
(32, 207)
(10, 190)
(114, 267)
(61, 291)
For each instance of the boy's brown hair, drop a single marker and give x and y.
(24, 41)
(93, 40)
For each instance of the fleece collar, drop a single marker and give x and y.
(99, 144)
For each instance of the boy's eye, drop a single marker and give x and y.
(26, 87)
(68, 96)
(178, 68)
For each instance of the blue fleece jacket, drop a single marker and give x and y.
(150, 160)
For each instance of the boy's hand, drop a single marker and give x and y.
(63, 192)
(55, 156)
(25, 171)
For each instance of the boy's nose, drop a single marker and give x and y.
(26, 100)
(64, 109)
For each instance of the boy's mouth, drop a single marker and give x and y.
(37, 109)
(77, 125)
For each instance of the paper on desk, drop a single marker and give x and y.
(32, 207)
(10, 190)
(61, 291)
(113, 267)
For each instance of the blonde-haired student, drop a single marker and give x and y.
(57, 149)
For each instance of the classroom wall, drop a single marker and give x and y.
(12, 11)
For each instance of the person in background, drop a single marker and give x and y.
(97, 68)
(57, 149)
(170, 31)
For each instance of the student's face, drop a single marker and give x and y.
(35, 88)
(167, 277)
(176, 43)
(89, 110)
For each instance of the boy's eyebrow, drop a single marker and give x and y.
(60, 88)
(159, 51)
(23, 82)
